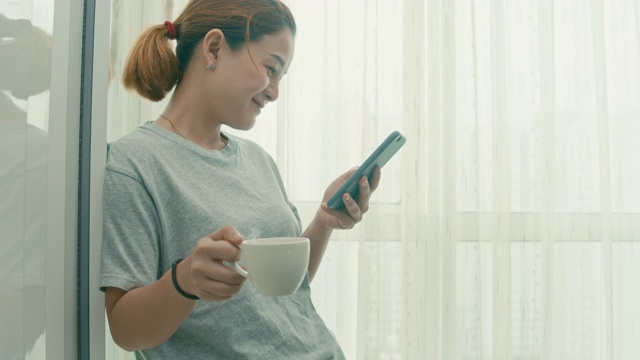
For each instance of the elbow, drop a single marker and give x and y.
(124, 342)
(134, 342)
(129, 344)
(126, 346)
(130, 333)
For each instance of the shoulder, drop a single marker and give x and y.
(248, 145)
(253, 152)
(140, 139)
(140, 148)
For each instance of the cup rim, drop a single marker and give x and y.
(273, 241)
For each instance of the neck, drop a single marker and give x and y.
(183, 119)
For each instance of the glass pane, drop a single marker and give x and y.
(25, 74)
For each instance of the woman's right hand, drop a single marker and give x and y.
(139, 319)
(203, 274)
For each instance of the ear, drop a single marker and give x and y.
(211, 45)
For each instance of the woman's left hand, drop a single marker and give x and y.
(354, 208)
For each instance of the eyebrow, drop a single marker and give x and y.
(279, 59)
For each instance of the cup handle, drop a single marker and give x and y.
(234, 266)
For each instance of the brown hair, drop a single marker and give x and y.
(153, 69)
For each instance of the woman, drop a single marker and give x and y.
(178, 188)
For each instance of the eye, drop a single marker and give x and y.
(270, 70)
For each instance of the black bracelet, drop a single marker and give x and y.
(175, 282)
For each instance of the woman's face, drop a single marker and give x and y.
(247, 79)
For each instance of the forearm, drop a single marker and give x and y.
(318, 235)
(146, 317)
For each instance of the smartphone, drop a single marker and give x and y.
(379, 157)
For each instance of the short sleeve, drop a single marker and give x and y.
(131, 234)
(276, 172)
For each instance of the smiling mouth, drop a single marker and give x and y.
(260, 106)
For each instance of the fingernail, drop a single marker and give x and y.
(364, 180)
(347, 198)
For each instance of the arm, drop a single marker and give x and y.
(327, 219)
(146, 317)
(318, 235)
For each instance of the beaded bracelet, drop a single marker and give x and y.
(175, 282)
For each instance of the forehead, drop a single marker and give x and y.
(279, 44)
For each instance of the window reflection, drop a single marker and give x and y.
(25, 55)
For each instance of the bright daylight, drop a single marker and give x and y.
(320, 179)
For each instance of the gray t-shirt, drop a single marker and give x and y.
(161, 195)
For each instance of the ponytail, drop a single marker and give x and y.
(152, 68)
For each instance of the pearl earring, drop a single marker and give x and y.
(210, 66)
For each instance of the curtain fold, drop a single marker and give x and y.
(602, 113)
(508, 225)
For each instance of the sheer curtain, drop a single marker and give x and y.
(508, 227)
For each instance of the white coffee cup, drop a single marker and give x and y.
(276, 266)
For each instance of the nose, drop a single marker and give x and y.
(272, 91)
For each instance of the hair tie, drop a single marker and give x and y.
(171, 29)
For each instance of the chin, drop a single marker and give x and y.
(245, 125)
(250, 123)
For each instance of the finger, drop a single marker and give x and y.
(221, 273)
(352, 207)
(208, 251)
(211, 297)
(364, 195)
(223, 251)
(208, 277)
(228, 233)
(375, 178)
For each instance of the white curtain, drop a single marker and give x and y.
(508, 227)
